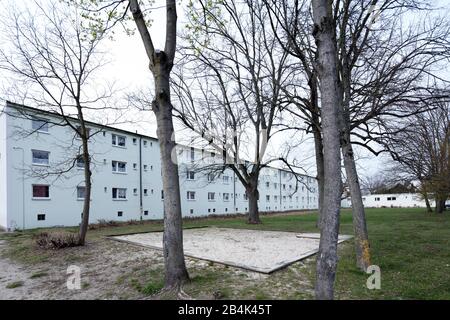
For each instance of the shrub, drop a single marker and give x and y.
(56, 240)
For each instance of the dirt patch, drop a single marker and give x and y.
(116, 270)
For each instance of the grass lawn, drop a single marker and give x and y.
(410, 246)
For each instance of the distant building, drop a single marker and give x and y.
(394, 200)
(126, 176)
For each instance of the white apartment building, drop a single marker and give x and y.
(126, 178)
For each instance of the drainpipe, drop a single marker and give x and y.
(140, 178)
(23, 185)
(279, 173)
(234, 191)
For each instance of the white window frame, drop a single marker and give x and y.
(40, 185)
(211, 196)
(190, 195)
(115, 140)
(42, 127)
(78, 192)
(40, 163)
(190, 175)
(226, 196)
(121, 194)
(115, 166)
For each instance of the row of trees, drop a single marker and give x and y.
(242, 70)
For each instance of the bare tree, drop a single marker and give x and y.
(107, 14)
(56, 59)
(324, 33)
(230, 87)
(421, 149)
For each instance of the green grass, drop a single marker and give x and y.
(410, 246)
(39, 274)
(15, 284)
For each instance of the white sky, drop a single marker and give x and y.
(129, 68)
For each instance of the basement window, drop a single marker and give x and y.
(119, 213)
(41, 217)
(146, 213)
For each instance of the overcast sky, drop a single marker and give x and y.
(129, 68)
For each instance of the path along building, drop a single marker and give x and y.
(126, 178)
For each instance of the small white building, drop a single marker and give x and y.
(126, 178)
(395, 200)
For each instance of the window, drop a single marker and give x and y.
(284, 187)
(226, 179)
(192, 154)
(81, 192)
(80, 131)
(211, 196)
(40, 157)
(145, 143)
(145, 167)
(245, 196)
(41, 217)
(210, 177)
(134, 141)
(80, 162)
(146, 213)
(275, 185)
(392, 198)
(41, 191)
(226, 197)
(135, 192)
(118, 166)
(40, 125)
(135, 166)
(275, 198)
(119, 193)
(145, 192)
(119, 141)
(191, 211)
(162, 194)
(119, 213)
(190, 175)
(191, 195)
(267, 198)
(267, 184)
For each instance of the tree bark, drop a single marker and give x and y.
(440, 204)
(175, 267)
(324, 34)
(427, 201)
(318, 145)
(362, 246)
(253, 195)
(87, 191)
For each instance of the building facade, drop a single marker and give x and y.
(42, 181)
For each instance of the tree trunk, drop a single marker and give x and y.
(362, 246)
(320, 172)
(324, 34)
(87, 191)
(176, 272)
(440, 204)
(253, 211)
(427, 202)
